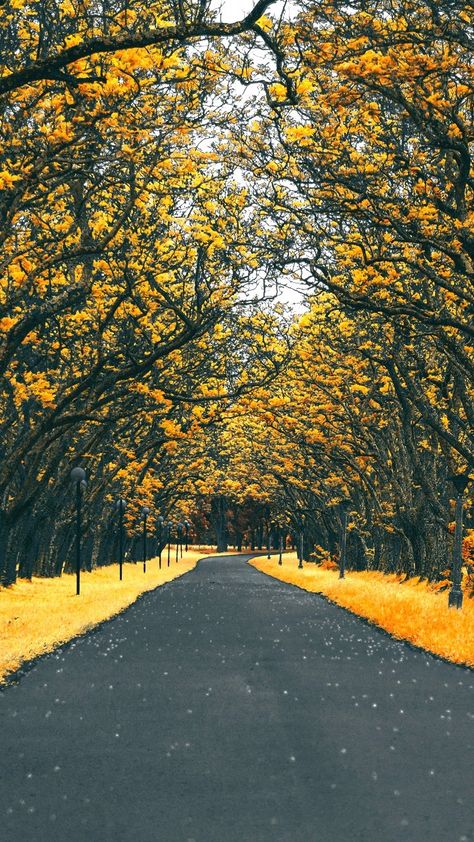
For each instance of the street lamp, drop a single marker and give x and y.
(300, 516)
(179, 539)
(170, 527)
(344, 506)
(186, 526)
(460, 482)
(269, 538)
(120, 506)
(160, 521)
(78, 478)
(280, 545)
(178, 535)
(144, 515)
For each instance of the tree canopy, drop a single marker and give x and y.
(164, 176)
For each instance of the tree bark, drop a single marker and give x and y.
(219, 522)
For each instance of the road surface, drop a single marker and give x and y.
(229, 707)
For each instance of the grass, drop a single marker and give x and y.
(37, 616)
(411, 611)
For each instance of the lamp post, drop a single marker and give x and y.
(170, 527)
(344, 505)
(460, 482)
(144, 515)
(186, 526)
(269, 537)
(78, 478)
(161, 521)
(300, 522)
(120, 506)
(301, 542)
(280, 545)
(178, 539)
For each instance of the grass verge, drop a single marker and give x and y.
(38, 616)
(410, 611)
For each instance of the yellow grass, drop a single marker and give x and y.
(37, 616)
(410, 611)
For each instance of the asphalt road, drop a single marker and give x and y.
(229, 707)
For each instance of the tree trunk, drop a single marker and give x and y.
(7, 558)
(219, 522)
(356, 556)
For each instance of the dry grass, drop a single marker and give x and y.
(410, 611)
(37, 616)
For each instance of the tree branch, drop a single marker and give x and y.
(51, 67)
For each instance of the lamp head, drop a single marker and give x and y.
(77, 474)
(460, 482)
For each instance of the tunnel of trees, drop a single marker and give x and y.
(169, 183)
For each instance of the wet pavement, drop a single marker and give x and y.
(229, 707)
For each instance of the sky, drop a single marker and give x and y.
(235, 10)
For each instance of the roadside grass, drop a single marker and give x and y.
(37, 616)
(410, 611)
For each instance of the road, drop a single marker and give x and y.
(229, 707)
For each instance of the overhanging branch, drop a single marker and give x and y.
(50, 68)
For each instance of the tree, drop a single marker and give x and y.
(99, 299)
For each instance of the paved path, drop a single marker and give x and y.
(228, 707)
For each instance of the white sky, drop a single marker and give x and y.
(235, 10)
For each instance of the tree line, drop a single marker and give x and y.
(162, 177)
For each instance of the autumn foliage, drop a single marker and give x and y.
(164, 177)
